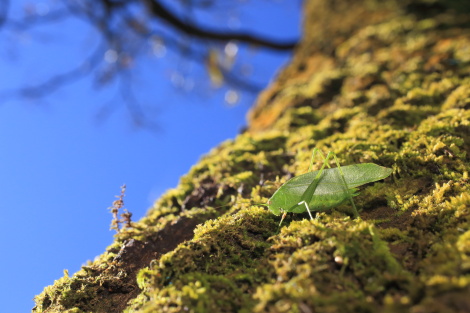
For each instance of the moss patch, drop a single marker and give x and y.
(389, 85)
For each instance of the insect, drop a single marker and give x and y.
(326, 188)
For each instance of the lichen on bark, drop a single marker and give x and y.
(374, 81)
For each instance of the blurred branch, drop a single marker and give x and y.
(159, 10)
(126, 34)
(190, 53)
(58, 81)
(139, 117)
(34, 20)
(4, 12)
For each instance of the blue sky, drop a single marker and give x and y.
(61, 166)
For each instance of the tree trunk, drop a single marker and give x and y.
(374, 81)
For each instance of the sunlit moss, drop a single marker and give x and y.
(381, 85)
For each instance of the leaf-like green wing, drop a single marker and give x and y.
(363, 173)
(328, 190)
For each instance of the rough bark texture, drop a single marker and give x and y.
(374, 81)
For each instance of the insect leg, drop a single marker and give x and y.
(314, 153)
(344, 182)
(306, 206)
(282, 219)
(307, 196)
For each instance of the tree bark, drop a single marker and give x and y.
(374, 81)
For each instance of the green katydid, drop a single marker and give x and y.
(326, 188)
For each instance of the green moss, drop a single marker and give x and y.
(385, 83)
(77, 294)
(316, 264)
(215, 270)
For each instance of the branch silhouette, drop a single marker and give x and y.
(125, 32)
(160, 11)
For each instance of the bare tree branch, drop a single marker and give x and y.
(4, 12)
(159, 10)
(125, 33)
(34, 20)
(57, 81)
(138, 114)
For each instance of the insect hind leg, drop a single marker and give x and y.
(344, 182)
(306, 206)
(326, 160)
(310, 191)
(320, 153)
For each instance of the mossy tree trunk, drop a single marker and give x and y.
(374, 81)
